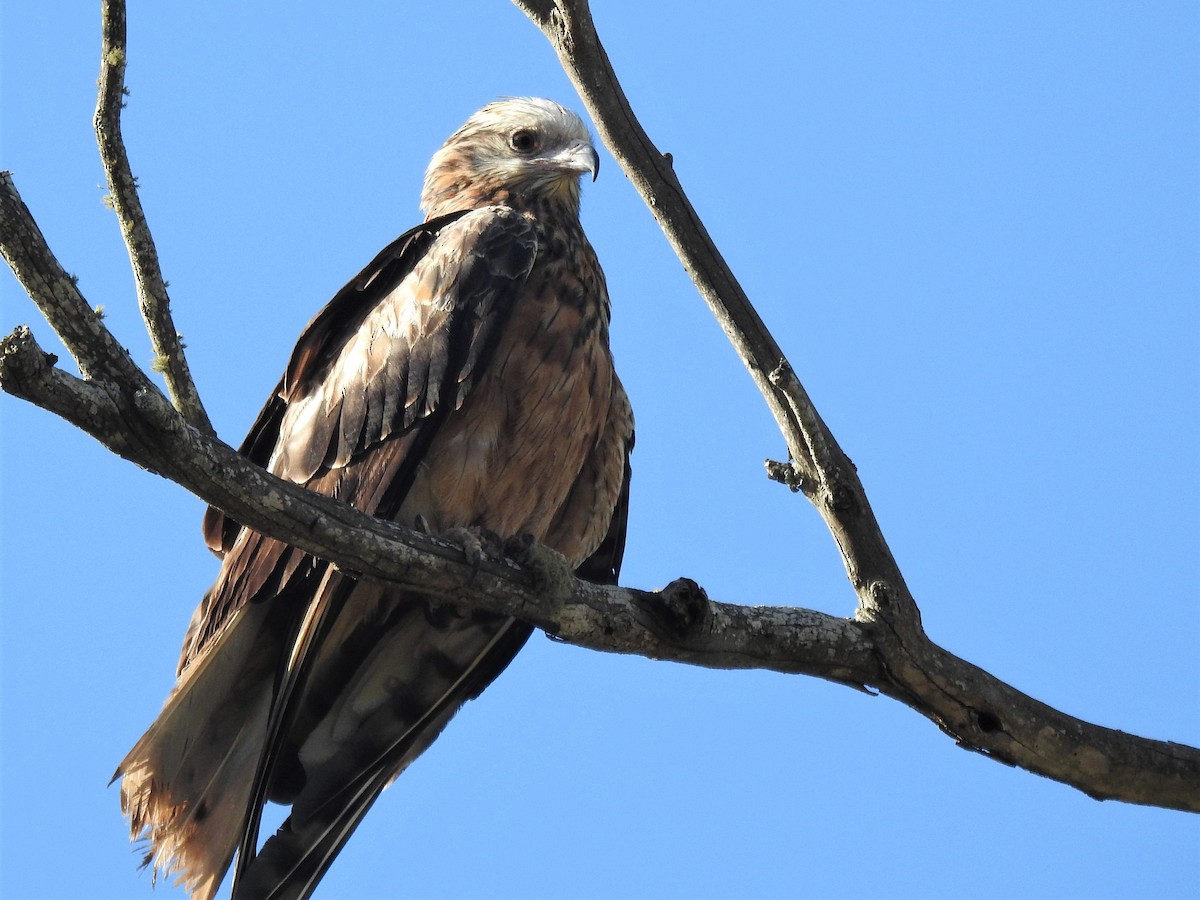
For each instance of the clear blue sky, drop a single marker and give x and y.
(973, 227)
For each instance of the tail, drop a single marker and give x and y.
(399, 680)
(185, 783)
(372, 692)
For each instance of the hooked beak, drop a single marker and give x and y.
(580, 157)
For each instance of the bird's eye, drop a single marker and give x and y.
(524, 141)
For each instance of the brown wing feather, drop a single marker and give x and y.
(327, 331)
(413, 353)
(412, 326)
(604, 566)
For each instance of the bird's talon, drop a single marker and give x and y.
(477, 543)
(468, 541)
(552, 574)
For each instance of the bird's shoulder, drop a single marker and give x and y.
(400, 340)
(425, 271)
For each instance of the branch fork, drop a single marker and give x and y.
(883, 648)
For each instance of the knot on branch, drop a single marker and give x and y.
(678, 608)
(842, 499)
(155, 409)
(986, 721)
(875, 602)
(557, 24)
(22, 361)
(782, 370)
(892, 606)
(785, 473)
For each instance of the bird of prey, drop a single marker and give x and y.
(463, 380)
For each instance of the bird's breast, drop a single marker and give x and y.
(525, 439)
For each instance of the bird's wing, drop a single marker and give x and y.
(369, 384)
(349, 387)
(388, 357)
(328, 329)
(604, 565)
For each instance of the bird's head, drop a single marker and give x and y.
(522, 151)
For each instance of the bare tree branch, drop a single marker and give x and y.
(979, 711)
(94, 349)
(820, 468)
(883, 648)
(678, 623)
(151, 288)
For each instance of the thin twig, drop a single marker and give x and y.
(54, 292)
(153, 301)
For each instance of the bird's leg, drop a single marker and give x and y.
(552, 574)
(477, 543)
